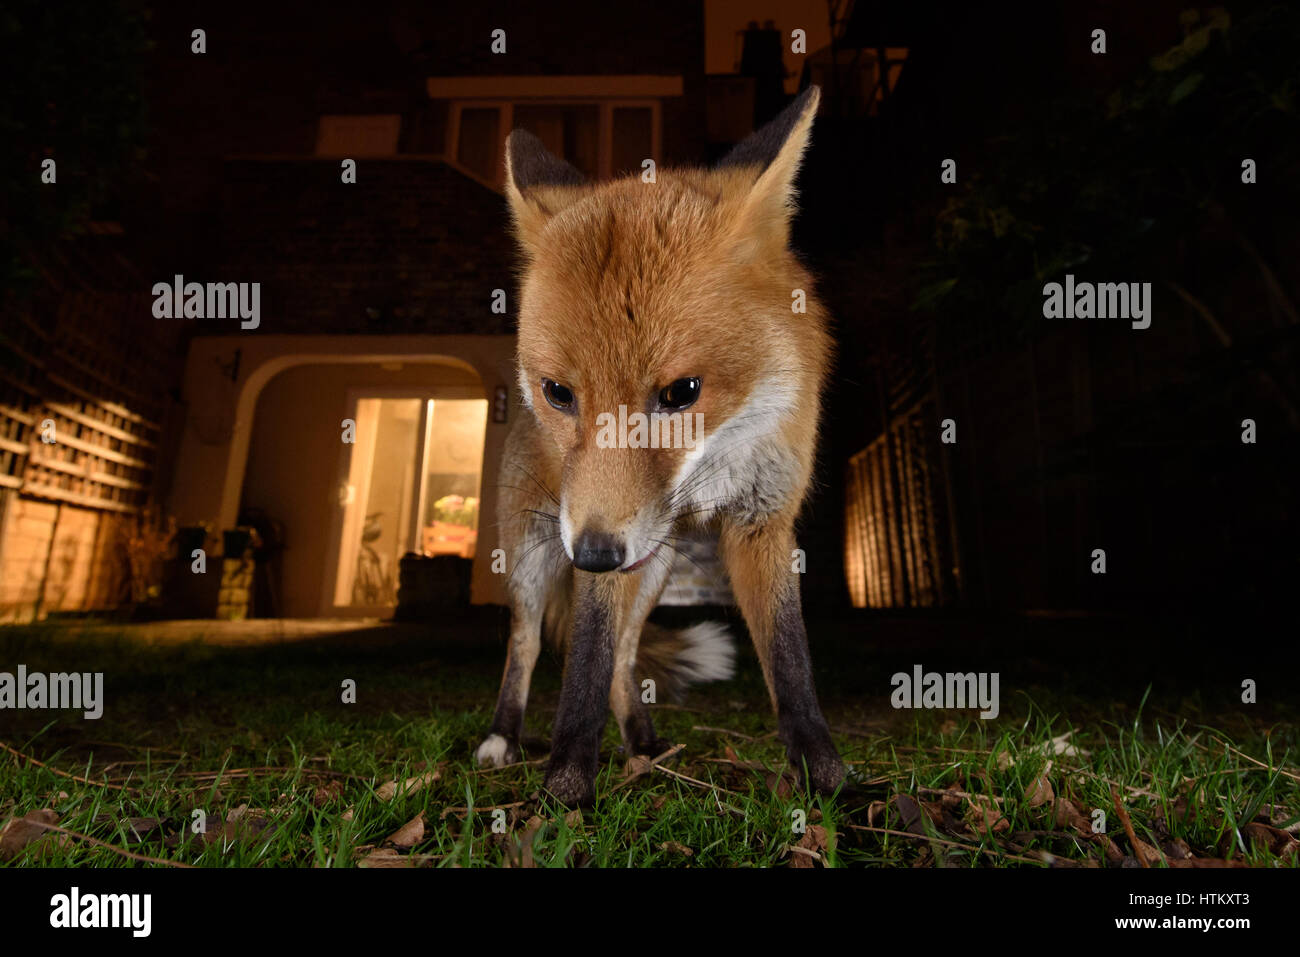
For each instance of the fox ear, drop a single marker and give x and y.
(538, 185)
(774, 154)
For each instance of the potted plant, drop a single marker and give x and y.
(452, 532)
(235, 542)
(147, 538)
(190, 537)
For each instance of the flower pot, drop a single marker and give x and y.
(235, 542)
(189, 538)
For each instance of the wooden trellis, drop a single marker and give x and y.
(894, 556)
(78, 414)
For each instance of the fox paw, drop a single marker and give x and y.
(825, 770)
(650, 749)
(814, 759)
(569, 785)
(497, 751)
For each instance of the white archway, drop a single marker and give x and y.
(226, 375)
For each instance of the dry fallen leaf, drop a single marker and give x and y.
(409, 834)
(1059, 746)
(876, 814)
(241, 824)
(1070, 816)
(390, 789)
(1275, 839)
(1040, 791)
(385, 857)
(137, 828)
(951, 799)
(910, 813)
(19, 832)
(532, 827)
(982, 815)
(730, 754)
(783, 784)
(813, 844)
(637, 766)
(330, 791)
(672, 847)
(1150, 853)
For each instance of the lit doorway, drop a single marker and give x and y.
(409, 482)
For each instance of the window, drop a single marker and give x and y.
(480, 134)
(572, 132)
(611, 134)
(633, 139)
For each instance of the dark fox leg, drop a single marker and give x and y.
(538, 576)
(758, 561)
(625, 694)
(501, 746)
(585, 690)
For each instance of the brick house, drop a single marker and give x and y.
(380, 306)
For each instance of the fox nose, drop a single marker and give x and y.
(597, 552)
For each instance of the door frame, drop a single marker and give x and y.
(334, 543)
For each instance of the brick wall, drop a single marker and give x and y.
(413, 246)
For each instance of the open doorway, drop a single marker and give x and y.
(410, 482)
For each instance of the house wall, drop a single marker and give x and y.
(574, 39)
(414, 246)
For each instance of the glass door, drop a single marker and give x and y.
(452, 474)
(377, 502)
(412, 485)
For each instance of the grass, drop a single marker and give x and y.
(258, 739)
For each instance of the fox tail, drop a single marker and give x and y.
(677, 659)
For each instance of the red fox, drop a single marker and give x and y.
(659, 297)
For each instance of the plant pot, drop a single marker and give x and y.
(430, 586)
(189, 538)
(235, 542)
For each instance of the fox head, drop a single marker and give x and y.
(670, 345)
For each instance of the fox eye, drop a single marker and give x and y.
(680, 394)
(559, 396)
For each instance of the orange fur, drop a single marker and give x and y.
(629, 286)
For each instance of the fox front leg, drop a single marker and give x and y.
(501, 746)
(584, 695)
(757, 558)
(625, 696)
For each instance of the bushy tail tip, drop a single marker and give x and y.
(677, 659)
